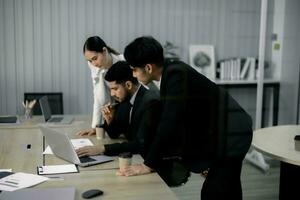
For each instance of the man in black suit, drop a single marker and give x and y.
(201, 124)
(135, 116)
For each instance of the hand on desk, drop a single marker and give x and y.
(87, 132)
(135, 170)
(90, 150)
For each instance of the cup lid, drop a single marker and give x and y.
(99, 125)
(125, 155)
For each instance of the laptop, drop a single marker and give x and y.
(9, 119)
(46, 111)
(66, 193)
(63, 148)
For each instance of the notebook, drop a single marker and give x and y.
(46, 111)
(63, 148)
(57, 169)
(67, 193)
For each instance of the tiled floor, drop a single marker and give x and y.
(257, 184)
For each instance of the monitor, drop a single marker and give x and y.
(55, 100)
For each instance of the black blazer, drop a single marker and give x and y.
(144, 116)
(200, 122)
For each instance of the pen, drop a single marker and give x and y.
(9, 185)
(113, 104)
(11, 182)
(55, 178)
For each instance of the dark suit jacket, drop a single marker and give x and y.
(200, 122)
(145, 112)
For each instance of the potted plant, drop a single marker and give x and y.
(170, 51)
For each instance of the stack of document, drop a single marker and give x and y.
(20, 180)
(57, 169)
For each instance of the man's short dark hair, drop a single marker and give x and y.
(120, 72)
(144, 50)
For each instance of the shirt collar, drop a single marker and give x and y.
(132, 99)
(157, 83)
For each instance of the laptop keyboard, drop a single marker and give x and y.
(56, 119)
(85, 159)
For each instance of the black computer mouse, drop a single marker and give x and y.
(91, 193)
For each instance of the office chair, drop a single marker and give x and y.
(55, 102)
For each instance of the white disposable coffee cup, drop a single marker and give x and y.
(297, 142)
(124, 160)
(100, 133)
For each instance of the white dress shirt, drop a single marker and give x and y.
(101, 90)
(132, 99)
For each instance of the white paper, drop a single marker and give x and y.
(82, 142)
(77, 143)
(20, 180)
(57, 169)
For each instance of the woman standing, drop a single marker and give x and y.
(100, 58)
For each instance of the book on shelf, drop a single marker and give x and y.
(229, 69)
(245, 68)
(251, 74)
(237, 69)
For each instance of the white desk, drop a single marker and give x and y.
(15, 155)
(80, 121)
(278, 143)
(146, 187)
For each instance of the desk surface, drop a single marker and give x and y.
(79, 120)
(146, 187)
(20, 150)
(278, 143)
(15, 155)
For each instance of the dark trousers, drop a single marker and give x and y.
(223, 180)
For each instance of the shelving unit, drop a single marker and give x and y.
(268, 83)
(244, 82)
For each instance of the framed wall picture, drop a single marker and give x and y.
(202, 58)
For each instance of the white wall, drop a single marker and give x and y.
(290, 63)
(41, 40)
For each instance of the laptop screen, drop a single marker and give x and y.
(45, 107)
